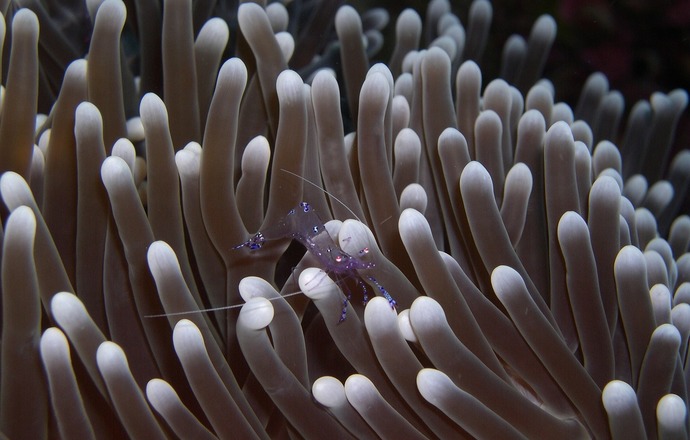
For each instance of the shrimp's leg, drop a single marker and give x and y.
(254, 243)
(365, 292)
(348, 298)
(384, 292)
(343, 312)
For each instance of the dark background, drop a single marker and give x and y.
(642, 46)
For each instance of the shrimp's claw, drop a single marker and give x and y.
(254, 243)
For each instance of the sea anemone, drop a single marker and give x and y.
(536, 252)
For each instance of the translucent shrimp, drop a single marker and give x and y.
(304, 225)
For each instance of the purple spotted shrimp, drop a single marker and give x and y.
(304, 225)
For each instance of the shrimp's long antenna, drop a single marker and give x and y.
(324, 190)
(216, 309)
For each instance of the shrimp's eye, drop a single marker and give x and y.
(305, 206)
(364, 251)
(315, 229)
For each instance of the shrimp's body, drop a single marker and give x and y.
(304, 225)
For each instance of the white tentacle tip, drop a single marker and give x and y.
(314, 283)
(111, 358)
(22, 222)
(378, 315)
(161, 256)
(618, 397)
(289, 87)
(432, 384)
(406, 327)
(160, 394)
(186, 334)
(256, 313)
(54, 346)
(115, 172)
(67, 309)
(14, 189)
(359, 391)
(329, 392)
(671, 412)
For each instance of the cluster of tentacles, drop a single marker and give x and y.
(537, 251)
